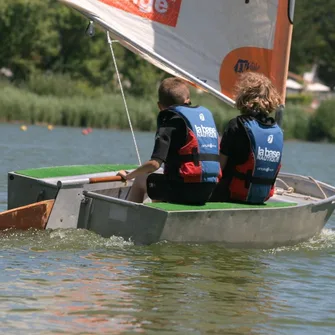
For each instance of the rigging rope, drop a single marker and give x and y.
(319, 187)
(289, 191)
(110, 42)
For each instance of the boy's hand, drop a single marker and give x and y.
(123, 175)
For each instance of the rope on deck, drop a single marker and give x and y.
(289, 191)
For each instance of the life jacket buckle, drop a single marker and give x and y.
(195, 155)
(248, 178)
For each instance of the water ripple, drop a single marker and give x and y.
(76, 282)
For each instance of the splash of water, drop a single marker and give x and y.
(325, 240)
(59, 240)
(81, 239)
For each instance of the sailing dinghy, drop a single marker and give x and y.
(92, 197)
(208, 43)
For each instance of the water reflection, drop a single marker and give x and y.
(182, 289)
(76, 282)
(90, 296)
(98, 301)
(196, 289)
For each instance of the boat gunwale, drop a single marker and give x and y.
(94, 195)
(306, 178)
(313, 202)
(228, 209)
(98, 196)
(52, 180)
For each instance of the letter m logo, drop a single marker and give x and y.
(242, 65)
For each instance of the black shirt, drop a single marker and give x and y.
(170, 136)
(235, 145)
(235, 142)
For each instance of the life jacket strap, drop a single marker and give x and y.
(196, 158)
(249, 179)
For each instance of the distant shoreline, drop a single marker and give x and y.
(80, 129)
(107, 111)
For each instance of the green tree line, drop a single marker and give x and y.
(45, 36)
(313, 39)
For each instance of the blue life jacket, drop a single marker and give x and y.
(198, 159)
(253, 180)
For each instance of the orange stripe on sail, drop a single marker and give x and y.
(282, 48)
(272, 63)
(241, 60)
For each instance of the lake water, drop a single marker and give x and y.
(75, 282)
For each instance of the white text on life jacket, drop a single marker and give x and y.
(264, 154)
(206, 131)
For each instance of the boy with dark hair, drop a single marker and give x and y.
(187, 143)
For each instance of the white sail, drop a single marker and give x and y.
(206, 42)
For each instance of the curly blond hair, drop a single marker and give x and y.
(255, 92)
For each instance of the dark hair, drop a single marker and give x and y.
(173, 91)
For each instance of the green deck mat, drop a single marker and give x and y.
(215, 205)
(72, 170)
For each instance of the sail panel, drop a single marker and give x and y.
(207, 42)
